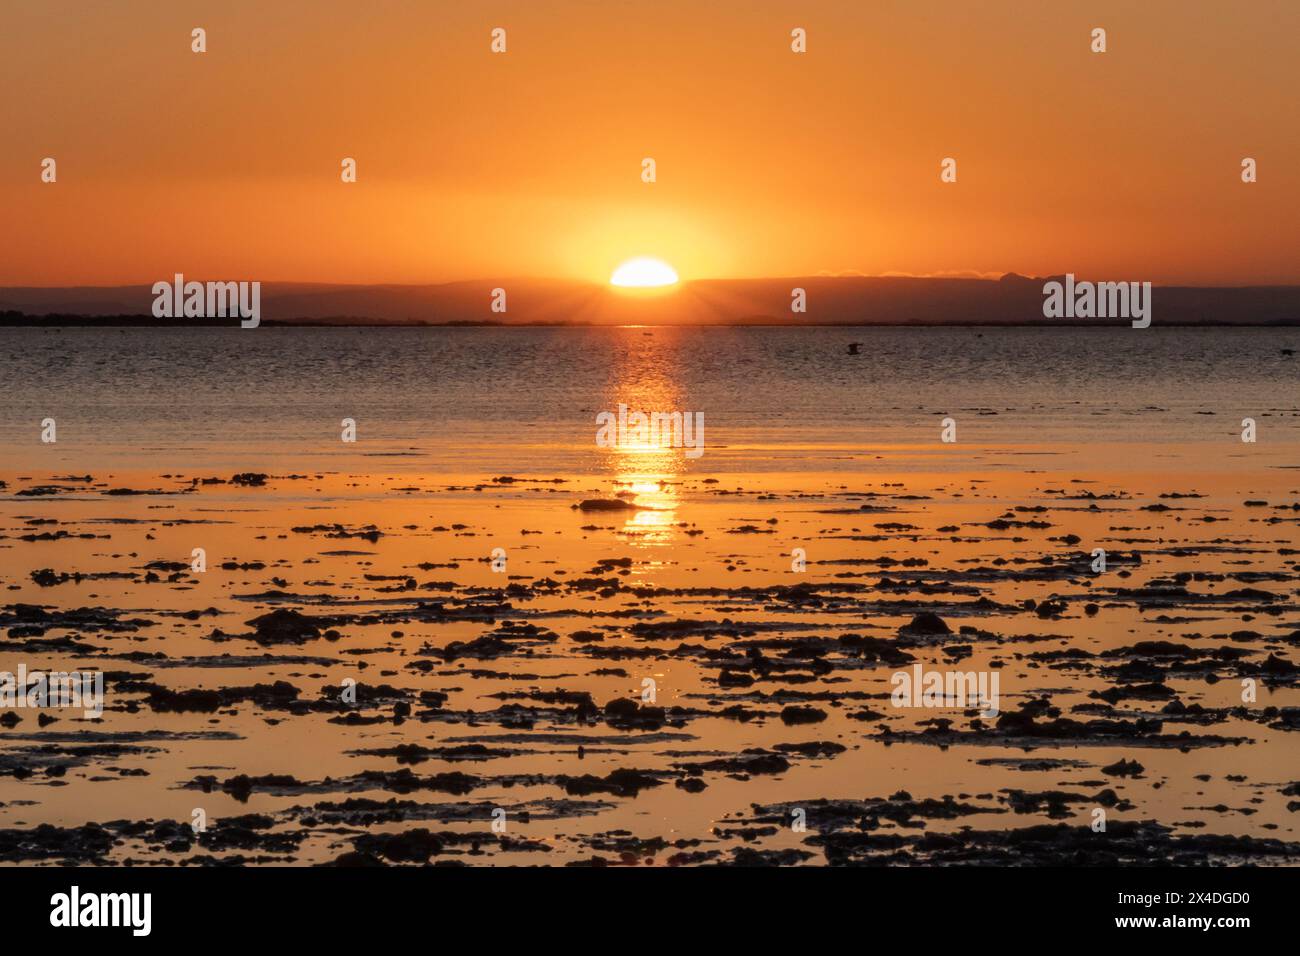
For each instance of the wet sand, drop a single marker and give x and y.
(771, 738)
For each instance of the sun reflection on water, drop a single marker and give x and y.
(649, 471)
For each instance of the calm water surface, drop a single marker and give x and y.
(525, 400)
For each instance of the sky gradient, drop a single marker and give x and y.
(474, 165)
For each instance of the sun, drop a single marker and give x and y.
(644, 273)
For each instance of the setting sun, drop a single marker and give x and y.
(643, 273)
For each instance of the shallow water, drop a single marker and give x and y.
(1128, 440)
(485, 399)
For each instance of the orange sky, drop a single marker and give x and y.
(226, 164)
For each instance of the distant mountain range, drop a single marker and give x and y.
(831, 300)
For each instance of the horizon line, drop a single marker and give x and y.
(986, 277)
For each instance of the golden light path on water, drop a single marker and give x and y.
(647, 468)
